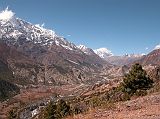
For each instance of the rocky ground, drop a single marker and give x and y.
(147, 107)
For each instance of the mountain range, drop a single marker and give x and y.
(33, 58)
(39, 56)
(107, 55)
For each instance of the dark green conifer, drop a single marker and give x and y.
(137, 79)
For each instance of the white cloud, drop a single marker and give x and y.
(6, 14)
(157, 47)
(68, 35)
(146, 48)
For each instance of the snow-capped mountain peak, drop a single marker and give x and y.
(103, 52)
(82, 47)
(86, 50)
(12, 29)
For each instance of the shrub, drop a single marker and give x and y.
(116, 94)
(63, 108)
(79, 108)
(141, 93)
(50, 111)
(136, 79)
(56, 110)
(95, 101)
(12, 114)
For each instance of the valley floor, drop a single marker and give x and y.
(147, 107)
(33, 96)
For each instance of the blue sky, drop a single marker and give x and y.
(122, 26)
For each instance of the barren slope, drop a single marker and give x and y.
(147, 107)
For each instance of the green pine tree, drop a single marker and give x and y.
(136, 80)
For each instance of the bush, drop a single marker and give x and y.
(12, 114)
(116, 95)
(56, 110)
(50, 111)
(95, 101)
(79, 108)
(135, 80)
(63, 108)
(141, 93)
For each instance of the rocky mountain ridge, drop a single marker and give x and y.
(153, 58)
(123, 60)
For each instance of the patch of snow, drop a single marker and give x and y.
(81, 47)
(85, 49)
(157, 47)
(86, 52)
(57, 43)
(44, 44)
(40, 25)
(138, 55)
(134, 55)
(15, 33)
(66, 47)
(143, 54)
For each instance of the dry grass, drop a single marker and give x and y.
(147, 107)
